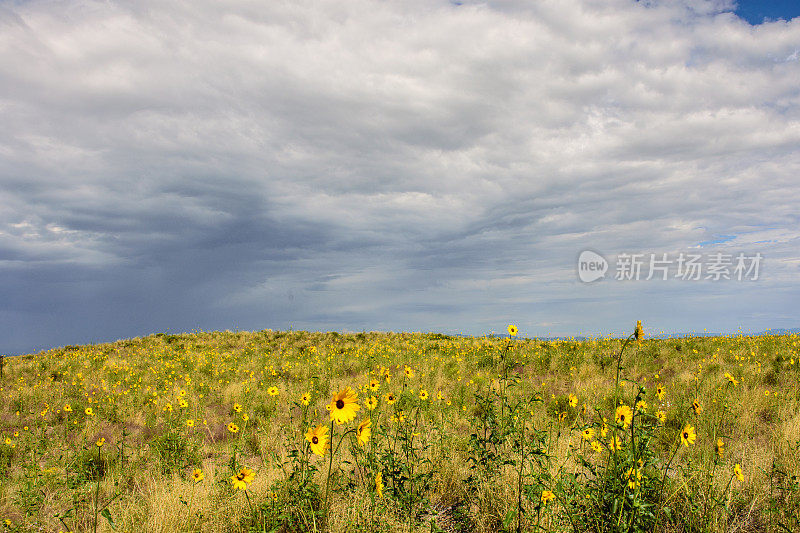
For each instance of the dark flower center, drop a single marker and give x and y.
(686, 436)
(240, 476)
(340, 404)
(315, 440)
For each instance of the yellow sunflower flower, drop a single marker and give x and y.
(363, 432)
(737, 471)
(318, 439)
(242, 478)
(197, 475)
(512, 330)
(379, 484)
(344, 405)
(547, 496)
(623, 416)
(688, 435)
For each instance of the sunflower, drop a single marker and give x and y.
(623, 416)
(439, 396)
(305, 399)
(573, 400)
(242, 478)
(731, 379)
(614, 444)
(547, 496)
(371, 403)
(379, 484)
(587, 434)
(344, 405)
(409, 372)
(423, 394)
(720, 447)
(390, 398)
(697, 407)
(641, 405)
(596, 446)
(512, 330)
(245, 417)
(662, 416)
(197, 475)
(183, 403)
(272, 391)
(638, 333)
(688, 435)
(604, 429)
(190, 423)
(89, 411)
(68, 408)
(318, 439)
(660, 391)
(374, 385)
(363, 432)
(237, 408)
(100, 442)
(737, 471)
(233, 428)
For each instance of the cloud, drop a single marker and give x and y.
(383, 165)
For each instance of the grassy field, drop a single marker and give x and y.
(233, 432)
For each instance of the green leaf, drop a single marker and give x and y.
(510, 515)
(105, 513)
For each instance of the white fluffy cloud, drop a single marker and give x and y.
(388, 165)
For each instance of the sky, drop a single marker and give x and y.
(415, 165)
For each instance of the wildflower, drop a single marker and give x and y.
(242, 478)
(190, 423)
(409, 372)
(662, 416)
(660, 391)
(100, 442)
(318, 439)
(233, 428)
(439, 395)
(197, 475)
(720, 447)
(688, 435)
(634, 477)
(596, 446)
(168, 407)
(379, 484)
(8, 441)
(638, 333)
(423, 394)
(374, 385)
(587, 434)
(371, 403)
(272, 391)
(363, 432)
(237, 408)
(604, 429)
(512, 330)
(67, 408)
(183, 403)
(245, 417)
(737, 471)
(623, 416)
(573, 401)
(614, 443)
(641, 405)
(562, 416)
(697, 407)
(344, 405)
(305, 399)
(731, 379)
(399, 417)
(547, 496)
(390, 398)
(89, 411)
